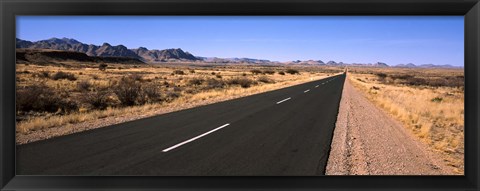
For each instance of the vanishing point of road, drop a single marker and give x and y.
(284, 132)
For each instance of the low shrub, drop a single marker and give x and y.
(265, 79)
(150, 94)
(196, 81)
(166, 84)
(292, 71)
(102, 67)
(45, 74)
(41, 98)
(84, 85)
(281, 73)
(213, 83)
(402, 77)
(416, 82)
(255, 71)
(381, 75)
(98, 99)
(191, 91)
(446, 82)
(170, 96)
(411, 80)
(127, 91)
(243, 82)
(28, 96)
(269, 72)
(178, 72)
(42, 74)
(136, 77)
(437, 99)
(64, 75)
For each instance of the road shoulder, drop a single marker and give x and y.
(367, 141)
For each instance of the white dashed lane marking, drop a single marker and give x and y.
(195, 138)
(284, 100)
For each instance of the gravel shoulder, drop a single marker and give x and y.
(367, 141)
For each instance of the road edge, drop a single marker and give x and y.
(337, 158)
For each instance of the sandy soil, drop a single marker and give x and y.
(367, 141)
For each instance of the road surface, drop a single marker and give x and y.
(285, 132)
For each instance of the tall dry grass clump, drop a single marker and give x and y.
(128, 91)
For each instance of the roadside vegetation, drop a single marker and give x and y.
(429, 102)
(61, 96)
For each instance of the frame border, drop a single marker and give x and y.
(9, 9)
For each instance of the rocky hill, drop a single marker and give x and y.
(163, 55)
(234, 60)
(306, 62)
(54, 57)
(107, 50)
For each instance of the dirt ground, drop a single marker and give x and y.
(367, 141)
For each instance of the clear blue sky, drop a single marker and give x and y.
(367, 39)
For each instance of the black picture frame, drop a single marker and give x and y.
(10, 8)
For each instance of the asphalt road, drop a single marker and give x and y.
(285, 132)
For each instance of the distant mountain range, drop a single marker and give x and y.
(410, 65)
(107, 50)
(234, 60)
(168, 55)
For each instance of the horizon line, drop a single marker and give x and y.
(293, 60)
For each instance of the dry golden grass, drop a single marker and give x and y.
(189, 95)
(434, 114)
